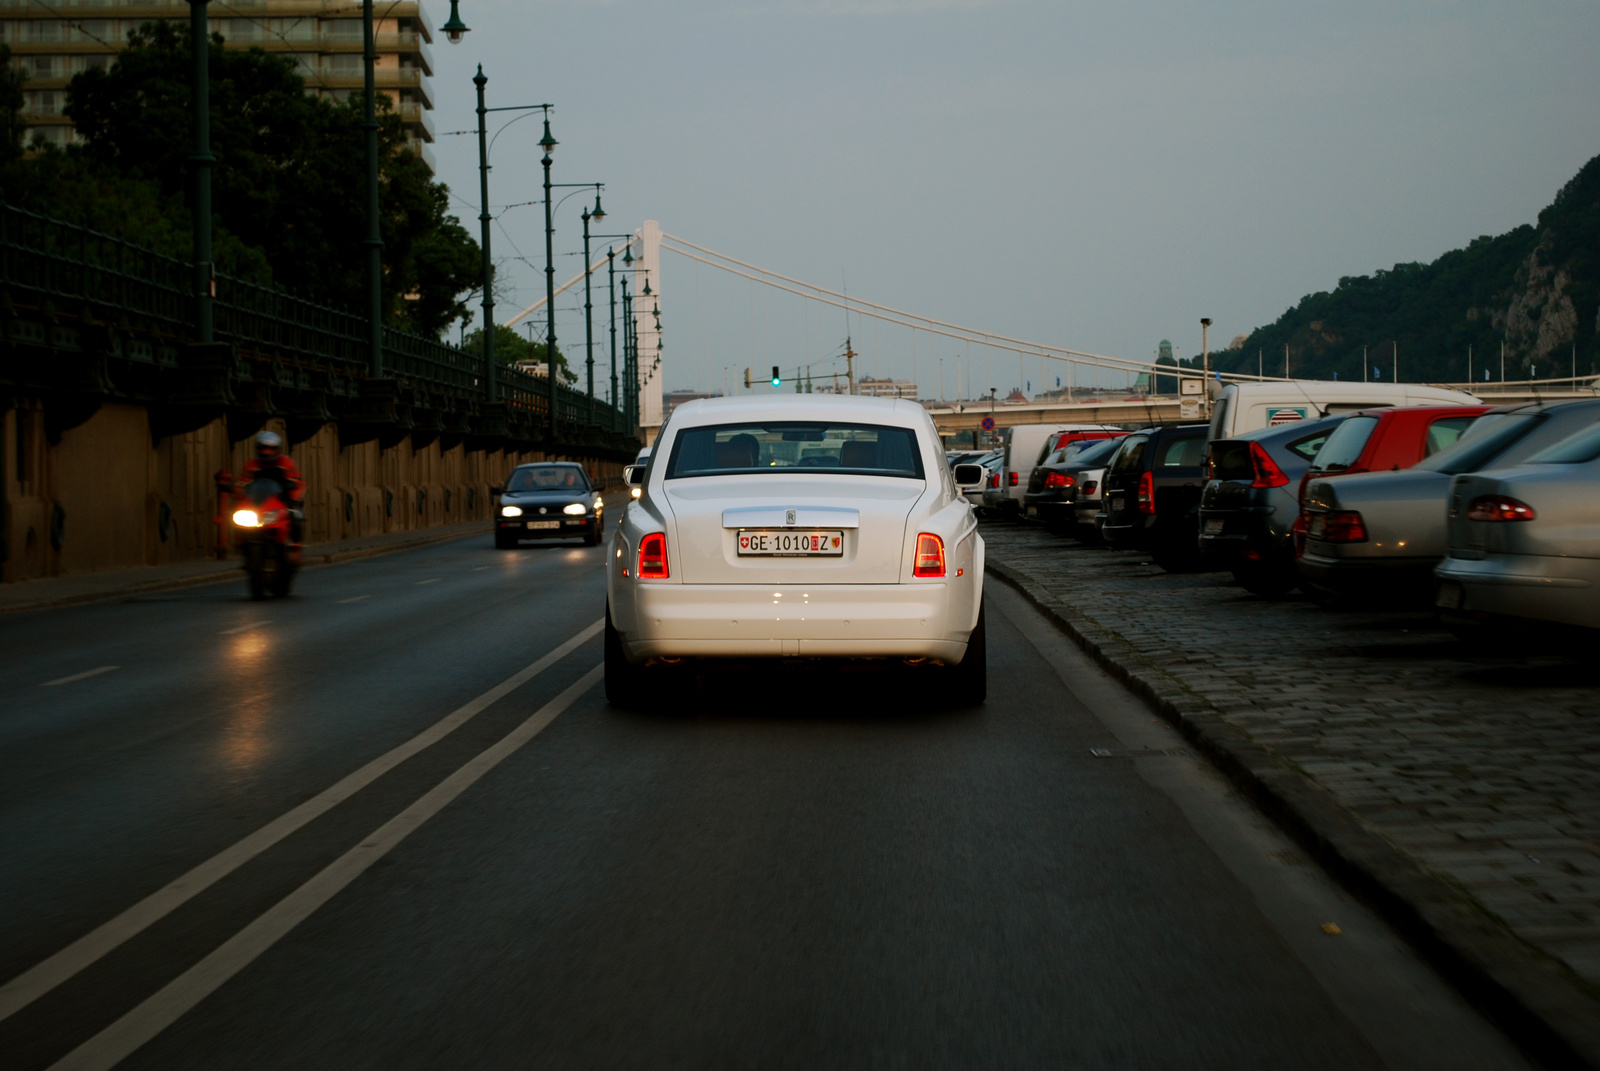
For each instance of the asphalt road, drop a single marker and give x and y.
(391, 822)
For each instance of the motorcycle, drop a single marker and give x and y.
(263, 528)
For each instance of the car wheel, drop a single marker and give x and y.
(504, 540)
(969, 683)
(591, 538)
(623, 685)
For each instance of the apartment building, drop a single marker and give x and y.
(52, 40)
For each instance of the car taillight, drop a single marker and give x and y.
(929, 561)
(1298, 529)
(1498, 508)
(653, 557)
(1012, 478)
(1147, 493)
(994, 479)
(1344, 527)
(1088, 487)
(1268, 474)
(1059, 479)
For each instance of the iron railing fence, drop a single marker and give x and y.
(75, 270)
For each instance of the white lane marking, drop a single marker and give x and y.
(123, 1037)
(430, 580)
(45, 976)
(86, 674)
(243, 628)
(357, 598)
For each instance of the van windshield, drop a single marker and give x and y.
(795, 446)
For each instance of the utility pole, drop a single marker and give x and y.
(1364, 368)
(1205, 366)
(369, 123)
(1397, 360)
(850, 364)
(201, 161)
(1502, 360)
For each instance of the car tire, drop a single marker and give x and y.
(624, 687)
(969, 682)
(504, 540)
(591, 538)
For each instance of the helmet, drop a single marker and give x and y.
(269, 444)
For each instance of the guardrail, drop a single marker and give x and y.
(83, 279)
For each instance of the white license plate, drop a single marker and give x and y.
(789, 544)
(1117, 505)
(544, 524)
(1213, 527)
(1033, 511)
(1449, 596)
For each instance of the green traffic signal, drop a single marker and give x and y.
(777, 377)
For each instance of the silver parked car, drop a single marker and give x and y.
(1525, 541)
(1380, 534)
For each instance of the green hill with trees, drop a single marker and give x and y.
(1536, 289)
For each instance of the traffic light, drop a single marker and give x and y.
(777, 377)
(747, 379)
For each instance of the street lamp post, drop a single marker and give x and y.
(491, 393)
(611, 292)
(548, 143)
(1205, 366)
(588, 306)
(201, 160)
(369, 123)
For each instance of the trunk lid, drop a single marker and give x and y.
(869, 513)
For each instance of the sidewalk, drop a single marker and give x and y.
(120, 583)
(1458, 795)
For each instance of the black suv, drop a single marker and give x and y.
(1152, 494)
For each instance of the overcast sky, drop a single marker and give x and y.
(1090, 175)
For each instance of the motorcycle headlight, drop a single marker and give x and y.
(510, 511)
(247, 518)
(576, 509)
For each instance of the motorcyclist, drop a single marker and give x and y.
(271, 463)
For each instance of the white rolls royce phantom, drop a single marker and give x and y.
(796, 527)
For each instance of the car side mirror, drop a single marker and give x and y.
(497, 490)
(633, 475)
(968, 477)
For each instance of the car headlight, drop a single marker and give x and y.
(598, 502)
(576, 509)
(247, 518)
(510, 511)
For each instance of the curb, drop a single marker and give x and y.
(1535, 999)
(229, 572)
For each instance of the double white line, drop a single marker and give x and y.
(144, 1022)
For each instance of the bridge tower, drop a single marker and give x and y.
(652, 364)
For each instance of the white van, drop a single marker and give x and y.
(1242, 407)
(1025, 445)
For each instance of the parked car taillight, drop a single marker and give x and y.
(1299, 528)
(1147, 493)
(1268, 474)
(653, 557)
(1498, 508)
(929, 561)
(1059, 479)
(1013, 478)
(994, 479)
(1345, 527)
(1088, 488)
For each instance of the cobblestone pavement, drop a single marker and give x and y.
(1485, 771)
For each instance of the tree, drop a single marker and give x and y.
(511, 348)
(290, 173)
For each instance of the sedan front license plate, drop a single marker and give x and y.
(1214, 527)
(1449, 596)
(781, 543)
(544, 524)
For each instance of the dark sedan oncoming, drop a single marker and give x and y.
(550, 500)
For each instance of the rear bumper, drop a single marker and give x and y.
(1532, 587)
(1363, 576)
(930, 620)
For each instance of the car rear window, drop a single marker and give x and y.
(1444, 432)
(1095, 452)
(1489, 436)
(1230, 460)
(1184, 453)
(1576, 449)
(1309, 446)
(1345, 444)
(1131, 458)
(795, 446)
